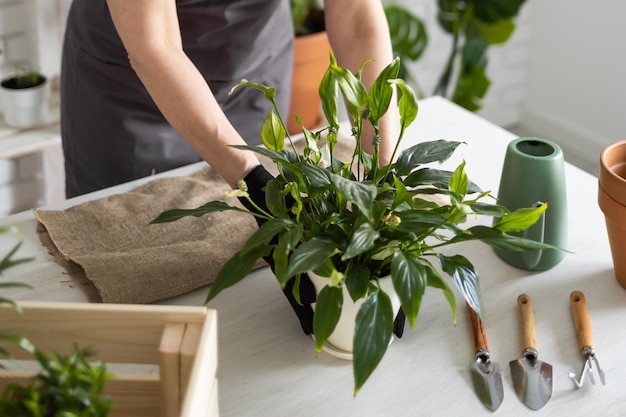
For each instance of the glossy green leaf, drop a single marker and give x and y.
(264, 234)
(352, 89)
(362, 240)
(459, 182)
(381, 92)
(329, 93)
(465, 277)
(410, 278)
(373, 331)
(357, 278)
(435, 280)
(437, 178)
(210, 207)
(501, 240)
(424, 153)
(308, 256)
(360, 193)
(520, 219)
(327, 312)
(268, 92)
(236, 269)
(273, 132)
(407, 104)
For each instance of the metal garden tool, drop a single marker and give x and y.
(486, 375)
(585, 341)
(532, 378)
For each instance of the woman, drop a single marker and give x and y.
(145, 83)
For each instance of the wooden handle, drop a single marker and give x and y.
(581, 319)
(478, 330)
(527, 321)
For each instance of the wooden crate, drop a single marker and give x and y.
(175, 347)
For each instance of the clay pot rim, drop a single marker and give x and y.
(613, 184)
(611, 208)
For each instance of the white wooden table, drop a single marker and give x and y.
(268, 368)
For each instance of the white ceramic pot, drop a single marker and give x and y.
(340, 342)
(26, 107)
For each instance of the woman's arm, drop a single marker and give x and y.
(358, 31)
(150, 33)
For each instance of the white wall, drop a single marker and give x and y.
(576, 84)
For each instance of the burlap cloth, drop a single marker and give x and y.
(109, 247)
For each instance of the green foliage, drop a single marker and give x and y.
(24, 77)
(308, 16)
(356, 222)
(66, 386)
(474, 25)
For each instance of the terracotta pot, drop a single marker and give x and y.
(311, 59)
(613, 171)
(615, 218)
(612, 202)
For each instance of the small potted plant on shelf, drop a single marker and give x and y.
(368, 233)
(24, 96)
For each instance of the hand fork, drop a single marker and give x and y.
(585, 341)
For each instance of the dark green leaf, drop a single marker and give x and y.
(360, 193)
(275, 156)
(435, 280)
(437, 178)
(501, 240)
(357, 278)
(424, 153)
(236, 269)
(265, 233)
(308, 256)
(374, 326)
(409, 278)
(416, 221)
(409, 36)
(464, 276)
(362, 240)
(210, 207)
(494, 10)
(327, 312)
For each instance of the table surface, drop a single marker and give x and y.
(268, 367)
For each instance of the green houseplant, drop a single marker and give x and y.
(66, 385)
(24, 96)
(355, 222)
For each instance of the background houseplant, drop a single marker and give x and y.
(356, 222)
(66, 385)
(473, 26)
(24, 96)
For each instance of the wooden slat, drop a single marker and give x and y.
(121, 333)
(196, 402)
(169, 368)
(188, 350)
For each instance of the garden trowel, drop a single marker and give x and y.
(486, 375)
(532, 378)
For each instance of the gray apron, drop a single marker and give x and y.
(112, 131)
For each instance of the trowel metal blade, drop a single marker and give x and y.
(487, 380)
(532, 381)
